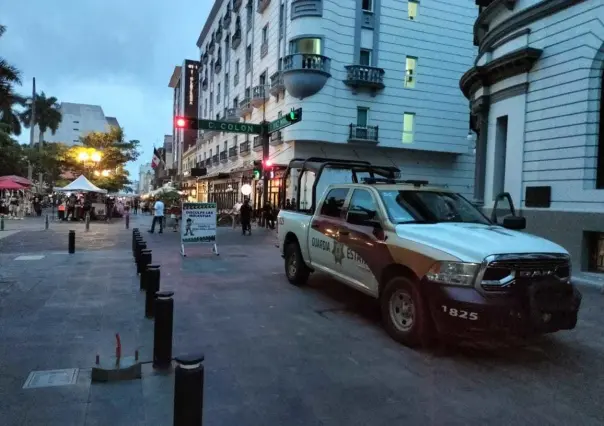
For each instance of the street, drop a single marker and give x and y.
(275, 354)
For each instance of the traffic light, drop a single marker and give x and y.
(257, 169)
(268, 163)
(294, 115)
(185, 123)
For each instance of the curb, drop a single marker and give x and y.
(593, 283)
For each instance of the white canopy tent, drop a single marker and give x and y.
(81, 184)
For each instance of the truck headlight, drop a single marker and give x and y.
(453, 273)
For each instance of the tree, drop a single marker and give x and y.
(47, 114)
(50, 160)
(9, 77)
(12, 156)
(115, 151)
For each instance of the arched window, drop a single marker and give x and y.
(600, 160)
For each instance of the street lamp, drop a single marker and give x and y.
(90, 158)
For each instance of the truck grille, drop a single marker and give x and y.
(505, 271)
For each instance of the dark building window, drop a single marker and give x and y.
(600, 163)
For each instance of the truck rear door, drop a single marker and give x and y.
(323, 236)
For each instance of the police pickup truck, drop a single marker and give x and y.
(435, 262)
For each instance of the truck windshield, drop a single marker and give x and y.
(430, 207)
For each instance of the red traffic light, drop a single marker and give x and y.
(268, 163)
(180, 122)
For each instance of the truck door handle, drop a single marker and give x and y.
(314, 225)
(344, 232)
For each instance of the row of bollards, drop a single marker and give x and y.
(159, 305)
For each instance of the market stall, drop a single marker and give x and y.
(76, 200)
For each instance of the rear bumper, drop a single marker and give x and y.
(464, 311)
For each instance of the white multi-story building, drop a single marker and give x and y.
(536, 91)
(145, 178)
(79, 120)
(376, 79)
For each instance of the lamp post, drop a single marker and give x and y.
(90, 159)
(32, 125)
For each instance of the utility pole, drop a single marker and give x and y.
(32, 125)
(265, 152)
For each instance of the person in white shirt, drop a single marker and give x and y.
(158, 217)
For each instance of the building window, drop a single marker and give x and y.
(76, 122)
(262, 79)
(362, 116)
(501, 139)
(410, 75)
(218, 94)
(408, 127)
(249, 16)
(281, 19)
(226, 85)
(600, 160)
(368, 5)
(365, 57)
(305, 45)
(413, 8)
(248, 58)
(265, 34)
(236, 102)
(76, 130)
(236, 76)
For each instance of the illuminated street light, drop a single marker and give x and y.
(96, 156)
(83, 156)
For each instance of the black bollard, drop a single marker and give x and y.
(127, 221)
(144, 259)
(153, 278)
(135, 243)
(188, 391)
(145, 276)
(140, 246)
(162, 331)
(71, 242)
(134, 234)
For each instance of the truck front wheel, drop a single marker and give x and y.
(404, 313)
(295, 269)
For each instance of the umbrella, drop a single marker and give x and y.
(9, 184)
(20, 180)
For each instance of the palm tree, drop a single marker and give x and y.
(9, 76)
(47, 114)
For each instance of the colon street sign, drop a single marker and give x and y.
(231, 127)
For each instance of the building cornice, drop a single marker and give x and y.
(481, 26)
(175, 76)
(520, 20)
(514, 63)
(209, 21)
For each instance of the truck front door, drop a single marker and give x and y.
(324, 231)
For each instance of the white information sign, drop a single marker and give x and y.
(198, 225)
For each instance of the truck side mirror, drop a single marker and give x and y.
(516, 223)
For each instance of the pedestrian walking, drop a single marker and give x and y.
(245, 215)
(158, 217)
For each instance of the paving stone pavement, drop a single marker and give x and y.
(275, 354)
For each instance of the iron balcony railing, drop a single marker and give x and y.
(362, 75)
(244, 147)
(363, 133)
(306, 61)
(233, 152)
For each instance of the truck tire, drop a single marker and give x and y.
(295, 269)
(405, 314)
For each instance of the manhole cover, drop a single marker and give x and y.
(51, 378)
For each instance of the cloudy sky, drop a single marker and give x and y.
(113, 53)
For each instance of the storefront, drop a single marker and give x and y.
(274, 188)
(189, 187)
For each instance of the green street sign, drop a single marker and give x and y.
(231, 127)
(290, 118)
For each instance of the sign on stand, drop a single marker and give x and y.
(198, 225)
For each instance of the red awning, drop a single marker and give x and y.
(20, 180)
(9, 184)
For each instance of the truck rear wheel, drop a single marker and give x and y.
(295, 269)
(404, 313)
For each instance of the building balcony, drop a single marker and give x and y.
(362, 76)
(257, 145)
(211, 47)
(305, 74)
(277, 83)
(209, 162)
(204, 83)
(224, 156)
(237, 5)
(262, 5)
(245, 107)
(244, 148)
(218, 66)
(364, 135)
(259, 95)
(215, 159)
(204, 58)
(226, 21)
(276, 138)
(233, 152)
(219, 33)
(232, 114)
(306, 8)
(236, 39)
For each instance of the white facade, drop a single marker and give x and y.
(541, 114)
(301, 48)
(79, 120)
(145, 178)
